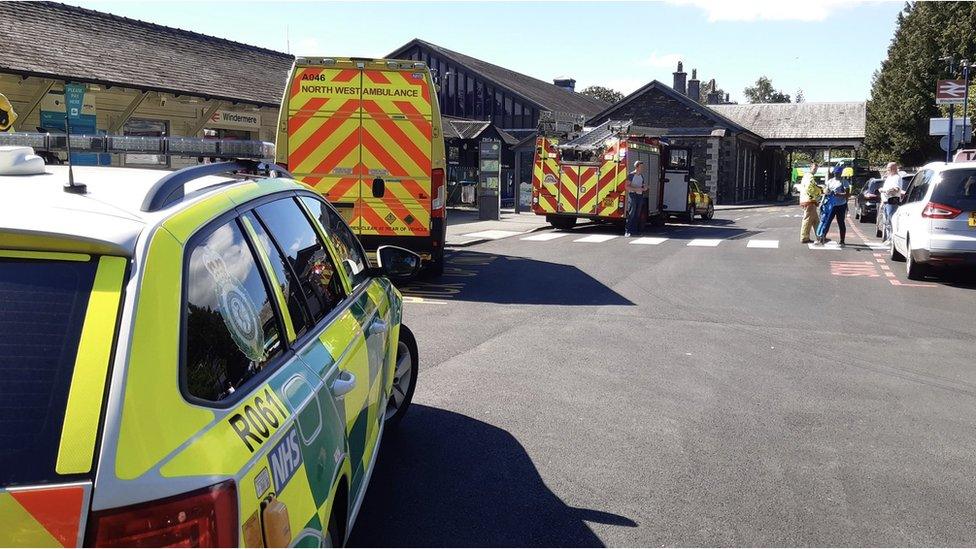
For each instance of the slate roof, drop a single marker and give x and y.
(716, 117)
(544, 94)
(463, 128)
(54, 40)
(783, 121)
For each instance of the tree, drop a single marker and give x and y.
(763, 92)
(603, 94)
(903, 88)
(799, 98)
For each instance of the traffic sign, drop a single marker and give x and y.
(950, 92)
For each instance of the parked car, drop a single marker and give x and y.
(935, 224)
(866, 201)
(701, 200)
(879, 220)
(214, 348)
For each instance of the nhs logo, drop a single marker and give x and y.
(285, 458)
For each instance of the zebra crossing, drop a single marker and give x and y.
(651, 240)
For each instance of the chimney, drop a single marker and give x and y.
(565, 83)
(694, 86)
(714, 97)
(679, 80)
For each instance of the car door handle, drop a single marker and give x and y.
(378, 326)
(345, 383)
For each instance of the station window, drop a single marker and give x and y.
(232, 331)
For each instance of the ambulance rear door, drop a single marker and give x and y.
(322, 131)
(397, 124)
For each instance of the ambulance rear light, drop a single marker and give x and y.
(203, 518)
(437, 188)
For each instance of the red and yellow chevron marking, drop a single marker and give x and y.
(396, 146)
(587, 189)
(43, 517)
(545, 179)
(613, 176)
(568, 187)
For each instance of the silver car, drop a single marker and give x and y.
(935, 225)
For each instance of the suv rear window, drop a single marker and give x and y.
(957, 189)
(42, 309)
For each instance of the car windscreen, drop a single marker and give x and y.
(905, 180)
(957, 189)
(42, 309)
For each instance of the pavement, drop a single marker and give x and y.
(713, 384)
(464, 228)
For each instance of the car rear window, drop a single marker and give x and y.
(957, 189)
(42, 309)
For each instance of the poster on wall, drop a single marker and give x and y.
(82, 116)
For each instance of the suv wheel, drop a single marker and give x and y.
(690, 214)
(404, 377)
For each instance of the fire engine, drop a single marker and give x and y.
(580, 173)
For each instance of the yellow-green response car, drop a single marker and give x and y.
(193, 358)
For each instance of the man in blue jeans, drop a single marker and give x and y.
(891, 188)
(635, 198)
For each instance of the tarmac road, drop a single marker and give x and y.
(683, 392)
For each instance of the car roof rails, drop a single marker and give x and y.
(169, 189)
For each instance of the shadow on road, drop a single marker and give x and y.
(492, 278)
(443, 479)
(716, 228)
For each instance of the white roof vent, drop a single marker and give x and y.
(20, 161)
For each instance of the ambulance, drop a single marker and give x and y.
(366, 134)
(582, 175)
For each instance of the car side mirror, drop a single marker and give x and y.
(894, 200)
(396, 263)
(379, 188)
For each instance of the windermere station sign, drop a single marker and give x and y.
(235, 120)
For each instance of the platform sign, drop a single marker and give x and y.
(950, 92)
(489, 177)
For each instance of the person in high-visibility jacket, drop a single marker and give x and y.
(810, 194)
(7, 115)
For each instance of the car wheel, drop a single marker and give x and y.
(404, 377)
(333, 533)
(709, 213)
(689, 216)
(435, 268)
(893, 252)
(562, 223)
(914, 269)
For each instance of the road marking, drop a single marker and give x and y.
(651, 240)
(414, 299)
(828, 246)
(493, 234)
(707, 242)
(544, 237)
(853, 268)
(763, 244)
(596, 238)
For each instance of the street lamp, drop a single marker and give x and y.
(952, 108)
(965, 101)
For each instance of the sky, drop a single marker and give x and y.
(827, 48)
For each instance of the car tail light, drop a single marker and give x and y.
(203, 518)
(437, 187)
(934, 210)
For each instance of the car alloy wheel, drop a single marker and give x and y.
(403, 381)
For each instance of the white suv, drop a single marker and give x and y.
(935, 225)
